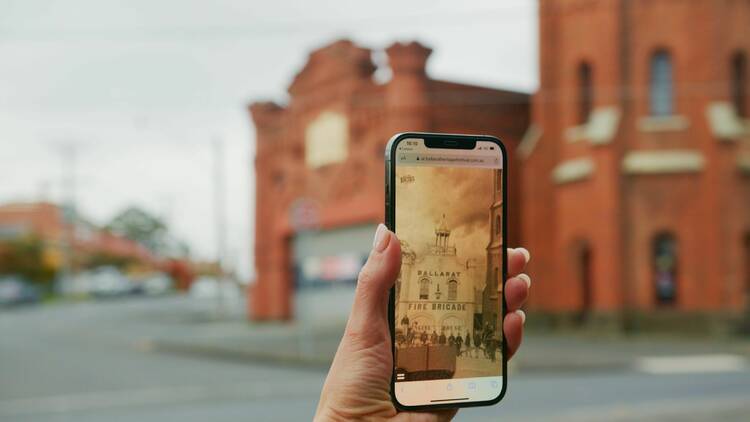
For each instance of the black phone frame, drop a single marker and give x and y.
(446, 141)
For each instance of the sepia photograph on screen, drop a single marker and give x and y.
(448, 296)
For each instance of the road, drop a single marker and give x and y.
(87, 362)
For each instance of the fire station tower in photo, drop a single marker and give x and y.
(438, 289)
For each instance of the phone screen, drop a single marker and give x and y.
(448, 297)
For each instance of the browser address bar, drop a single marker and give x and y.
(430, 159)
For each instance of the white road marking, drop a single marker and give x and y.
(689, 409)
(691, 364)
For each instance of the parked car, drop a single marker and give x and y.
(107, 282)
(16, 291)
(210, 288)
(155, 284)
(78, 285)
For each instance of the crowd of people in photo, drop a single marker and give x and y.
(481, 343)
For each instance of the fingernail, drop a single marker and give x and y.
(525, 253)
(525, 278)
(381, 238)
(522, 314)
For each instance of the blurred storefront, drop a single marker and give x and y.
(326, 265)
(62, 238)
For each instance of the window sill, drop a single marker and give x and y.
(576, 133)
(724, 122)
(674, 123)
(663, 162)
(599, 129)
(529, 141)
(573, 171)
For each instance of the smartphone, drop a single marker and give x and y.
(446, 202)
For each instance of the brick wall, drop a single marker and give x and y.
(582, 191)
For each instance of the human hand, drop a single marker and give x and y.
(359, 380)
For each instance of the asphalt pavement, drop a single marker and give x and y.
(97, 361)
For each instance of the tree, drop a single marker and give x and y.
(25, 257)
(139, 225)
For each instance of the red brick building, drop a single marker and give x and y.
(634, 173)
(636, 168)
(319, 161)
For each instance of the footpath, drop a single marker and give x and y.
(314, 344)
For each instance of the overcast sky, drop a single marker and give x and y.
(141, 88)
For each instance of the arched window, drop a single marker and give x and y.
(585, 92)
(424, 288)
(452, 289)
(660, 93)
(581, 265)
(664, 261)
(739, 83)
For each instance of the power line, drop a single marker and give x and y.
(68, 157)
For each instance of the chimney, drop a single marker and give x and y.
(406, 93)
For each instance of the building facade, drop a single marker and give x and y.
(631, 185)
(437, 290)
(319, 166)
(636, 187)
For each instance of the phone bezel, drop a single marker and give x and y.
(390, 220)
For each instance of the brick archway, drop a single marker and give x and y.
(583, 267)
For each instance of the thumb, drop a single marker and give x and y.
(374, 282)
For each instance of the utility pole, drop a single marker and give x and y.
(220, 221)
(68, 155)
